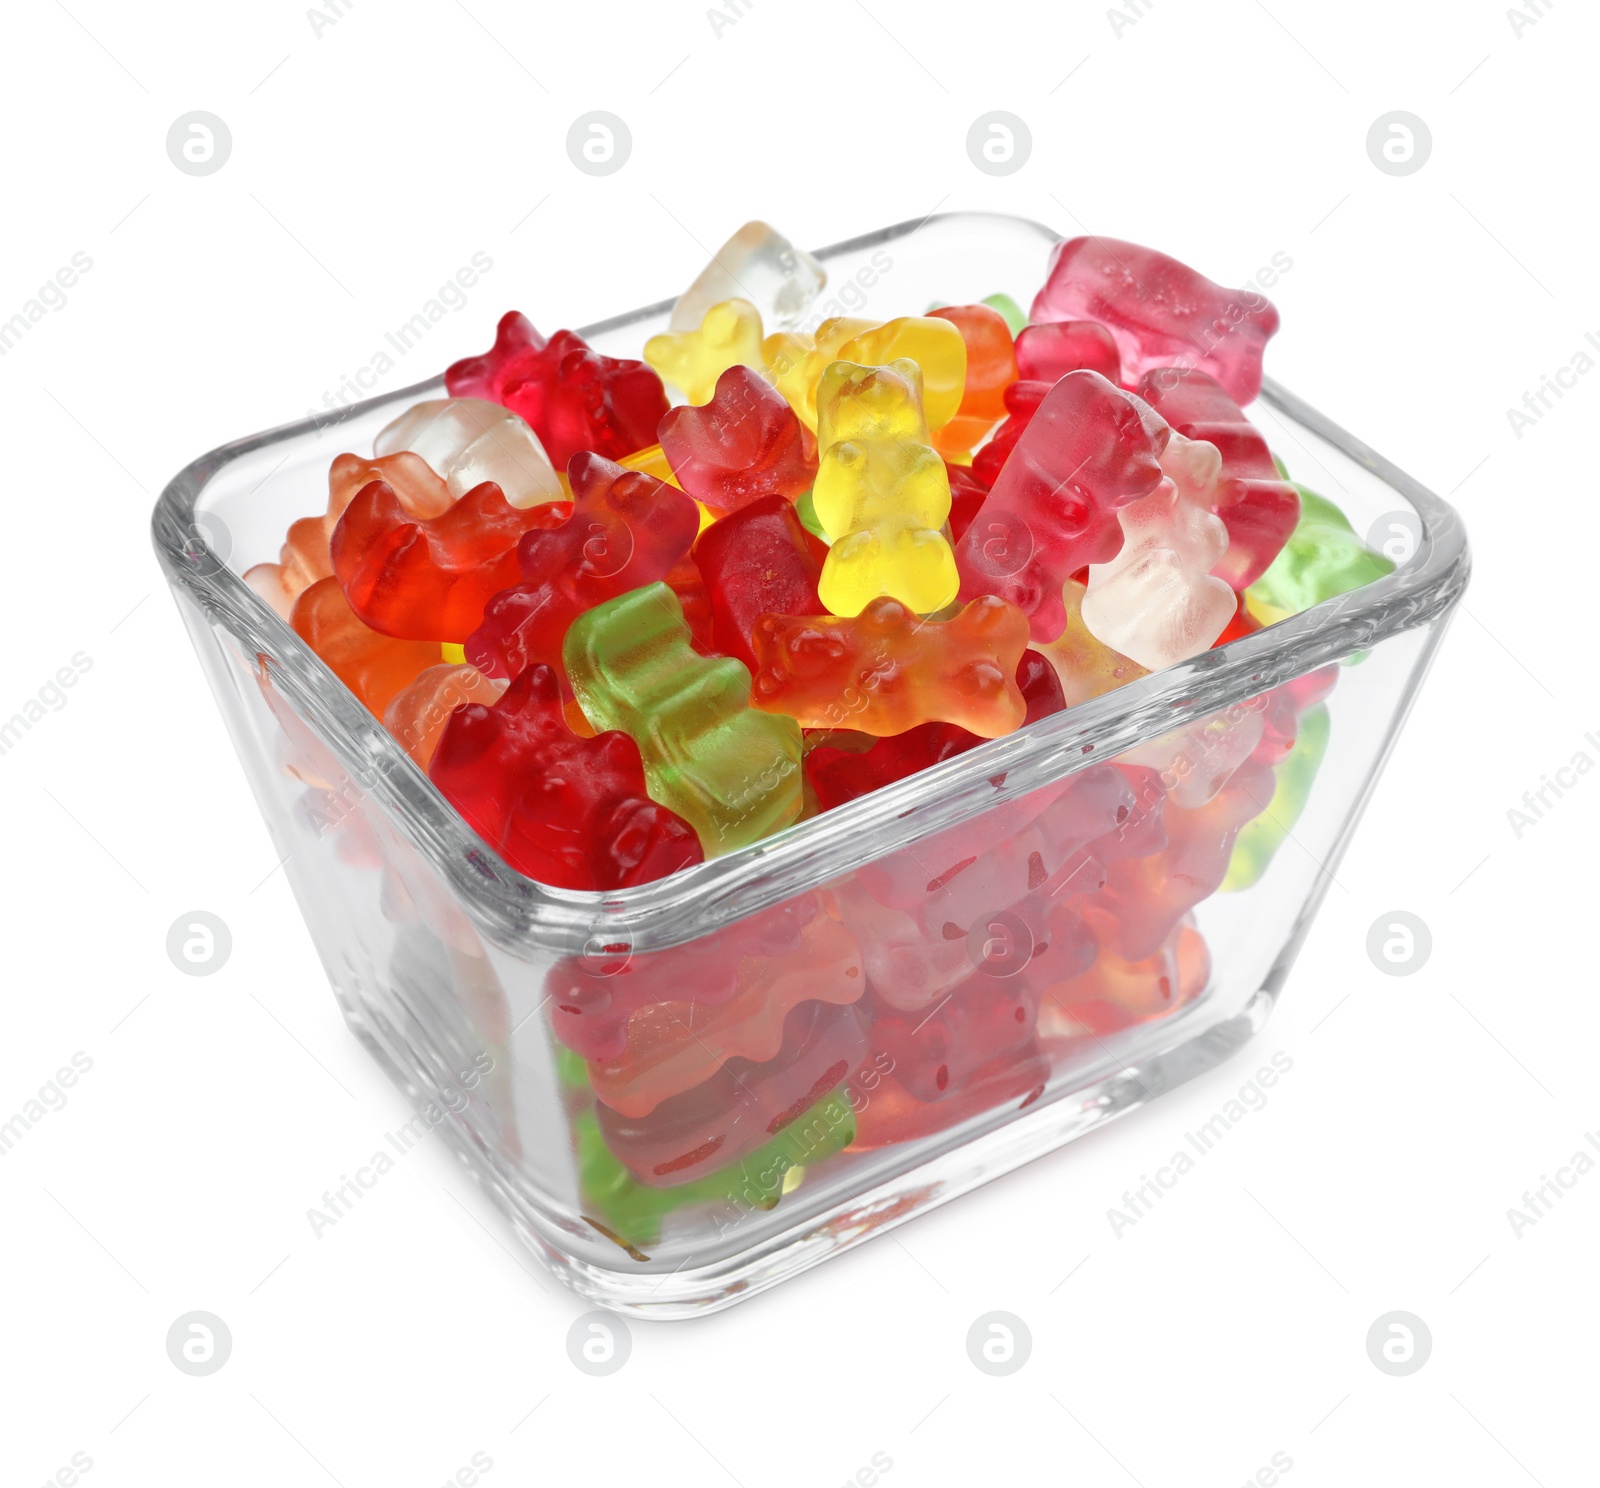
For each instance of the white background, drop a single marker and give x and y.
(369, 161)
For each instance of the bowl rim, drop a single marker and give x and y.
(525, 917)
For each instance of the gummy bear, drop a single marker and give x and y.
(1197, 760)
(936, 345)
(1115, 993)
(652, 460)
(631, 1212)
(760, 265)
(675, 1045)
(1055, 841)
(729, 336)
(1259, 840)
(1086, 666)
(575, 398)
(373, 666)
(1022, 400)
(756, 561)
(1013, 313)
(885, 671)
(430, 580)
(991, 367)
(744, 444)
(1144, 898)
(729, 770)
(1048, 351)
(419, 711)
(1258, 507)
(1161, 312)
(797, 363)
(743, 1104)
(305, 557)
(967, 494)
(626, 529)
(1089, 450)
(569, 812)
(469, 441)
(881, 492)
(842, 774)
(981, 1021)
(595, 996)
(1157, 601)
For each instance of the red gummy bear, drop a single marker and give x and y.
(1089, 449)
(1048, 351)
(743, 1105)
(967, 494)
(1144, 897)
(595, 995)
(569, 812)
(626, 529)
(428, 580)
(517, 346)
(574, 397)
(756, 562)
(1022, 402)
(744, 444)
(1257, 506)
(991, 1015)
(1161, 312)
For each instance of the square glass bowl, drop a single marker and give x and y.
(684, 1092)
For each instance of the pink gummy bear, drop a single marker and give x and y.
(1048, 351)
(1089, 450)
(1161, 312)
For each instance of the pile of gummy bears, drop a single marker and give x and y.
(624, 636)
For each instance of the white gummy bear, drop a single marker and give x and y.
(757, 264)
(1157, 601)
(469, 441)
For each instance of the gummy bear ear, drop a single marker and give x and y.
(484, 376)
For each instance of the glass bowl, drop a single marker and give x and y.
(684, 1092)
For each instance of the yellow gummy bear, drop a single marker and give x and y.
(935, 345)
(692, 361)
(796, 362)
(881, 493)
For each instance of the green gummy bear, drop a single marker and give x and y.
(572, 1070)
(1323, 557)
(806, 509)
(1008, 307)
(1259, 840)
(729, 770)
(632, 1211)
